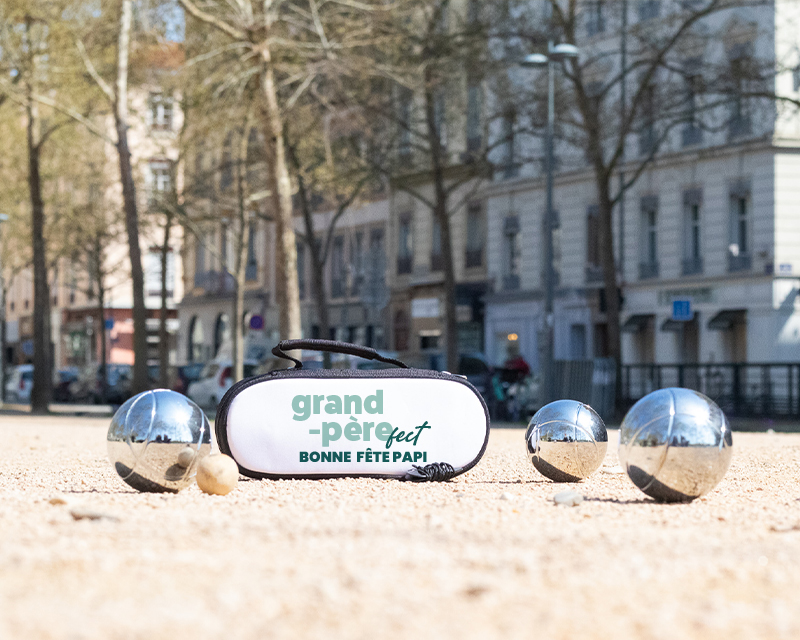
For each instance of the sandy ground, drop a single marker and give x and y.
(486, 556)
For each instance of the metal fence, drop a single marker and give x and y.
(588, 381)
(769, 389)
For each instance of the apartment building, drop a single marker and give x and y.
(354, 280)
(155, 120)
(709, 246)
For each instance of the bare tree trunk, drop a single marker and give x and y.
(442, 218)
(318, 252)
(241, 243)
(101, 303)
(610, 286)
(163, 334)
(3, 337)
(139, 311)
(42, 378)
(281, 197)
(240, 269)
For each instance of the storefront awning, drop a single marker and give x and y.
(727, 318)
(637, 323)
(672, 325)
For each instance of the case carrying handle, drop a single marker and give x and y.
(332, 346)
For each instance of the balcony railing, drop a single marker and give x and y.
(215, 282)
(691, 135)
(594, 273)
(742, 262)
(511, 282)
(473, 257)
(648, 270)
(405, 264)
(692, 266)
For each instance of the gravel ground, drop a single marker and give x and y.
(488, 555)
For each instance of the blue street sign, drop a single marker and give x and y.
(256, 322)
(109, 323)
(682, 310)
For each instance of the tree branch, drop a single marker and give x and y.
(215, 22)
(87, 62)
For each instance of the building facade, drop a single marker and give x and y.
(709, 245)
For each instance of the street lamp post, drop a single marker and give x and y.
(555, 53)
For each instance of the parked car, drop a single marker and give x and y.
(215, 379)
(61, 385)
(19, 383)
(187, 374)
(154, 376)
(88, 388)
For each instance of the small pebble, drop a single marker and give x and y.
(506, 496)
(85, 513)
(186, 457)
(217, 474)
(613, 470)
(56, 500)
(568, 498)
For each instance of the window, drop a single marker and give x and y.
(649, 9)
(739, 254)
(692, 133)
(195, 346)
(160, 112)
(251, 268)
(338, 269)
(595, 17)
(405, 245)
(647, 131)
(199, 258)
(556, 248)
(594, 269)
(405, 112)
(511, 251)
(474, 117)
(152, 272)
(508, 159)
(357, 262)
(222, 332)
(160, 181)
(648, 267)
(374, 289)
(224, 254)
(402, 331)
(440, 116)
(226, 168)
(473, 11)
(692, 248)
(475, 235)
(437, 259)
(739, 107)
(301, 269)
(577, 342)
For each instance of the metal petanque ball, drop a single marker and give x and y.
(566, 441)
(157, 439)
(675, 444)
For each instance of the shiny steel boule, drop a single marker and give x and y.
(149, 436)
(675, 444)
(566, 441)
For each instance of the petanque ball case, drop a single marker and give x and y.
(405, 423)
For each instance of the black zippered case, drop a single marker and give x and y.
(405, 423)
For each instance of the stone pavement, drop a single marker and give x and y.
(488, 555)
